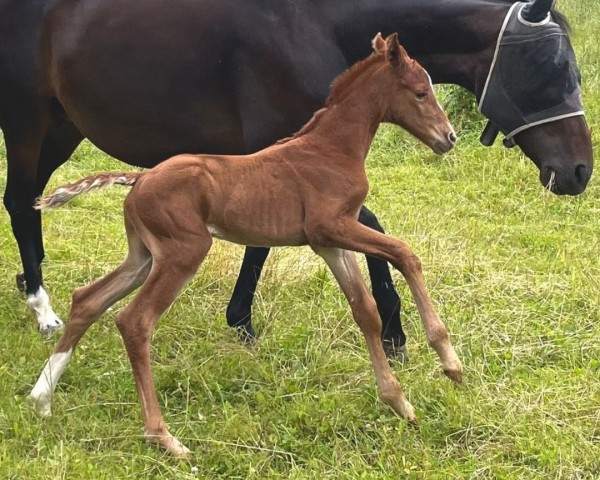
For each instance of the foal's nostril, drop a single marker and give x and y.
(452, 137)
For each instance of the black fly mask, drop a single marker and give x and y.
(533, 78)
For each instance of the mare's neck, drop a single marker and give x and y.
(453, 40)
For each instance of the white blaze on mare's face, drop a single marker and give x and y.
(41, 395)
(40, 303)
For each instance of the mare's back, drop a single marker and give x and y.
(145, 80)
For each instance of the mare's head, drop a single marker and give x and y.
(411, 102)
(533, 95)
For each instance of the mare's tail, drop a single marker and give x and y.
(63, 194)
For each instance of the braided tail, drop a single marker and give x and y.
(63, 194)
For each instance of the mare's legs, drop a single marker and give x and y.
(88, 304)
(345, 269)
(351, 235)
(239, 310)
(33, 153)
(175, 263)
(387, 299)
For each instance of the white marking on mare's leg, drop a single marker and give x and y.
(48, 320)
(41, 395)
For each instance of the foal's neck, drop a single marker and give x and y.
(353, 113)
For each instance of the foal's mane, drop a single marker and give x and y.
(339, 90)
(341, 85)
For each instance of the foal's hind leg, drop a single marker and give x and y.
(175, 263)
(345, 269)
(88, 304)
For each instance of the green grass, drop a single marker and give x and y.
(513, 270)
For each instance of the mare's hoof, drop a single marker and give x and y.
(20, 278)
(393, 350)
(41, 403)
(50, 326)
(246, 333)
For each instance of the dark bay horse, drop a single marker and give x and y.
(304, 190)
(147, 80)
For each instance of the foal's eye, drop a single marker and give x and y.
(421, 95)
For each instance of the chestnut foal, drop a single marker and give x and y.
(306, 189)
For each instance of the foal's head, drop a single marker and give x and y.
(411, 102)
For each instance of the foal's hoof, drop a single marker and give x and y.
(171, 444)
(20, 277)
(393, 349)
(406, 411)
(455, 375)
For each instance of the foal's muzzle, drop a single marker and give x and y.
(444, 144)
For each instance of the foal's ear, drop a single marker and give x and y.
(378, 44)
(394, 52)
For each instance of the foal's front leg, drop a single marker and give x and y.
(239, 310)
(364, 310)
(349, 234)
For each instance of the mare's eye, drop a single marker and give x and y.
(421, 95)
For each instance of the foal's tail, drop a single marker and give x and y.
(63, 194)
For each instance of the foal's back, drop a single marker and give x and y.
(260, 199)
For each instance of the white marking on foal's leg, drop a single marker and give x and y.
(169, 442)
(41, 395)
(48, 320)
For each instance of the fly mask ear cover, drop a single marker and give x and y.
(533, 78)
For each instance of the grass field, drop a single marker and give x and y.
(513, 270)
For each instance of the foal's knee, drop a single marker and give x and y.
(408, 263)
